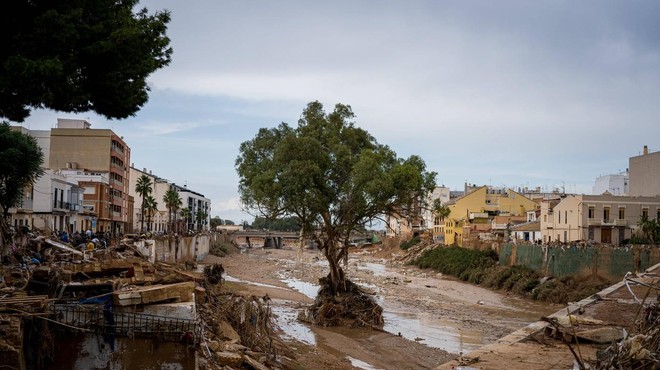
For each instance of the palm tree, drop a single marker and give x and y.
(172, 201)
(185, 215)
(143, 188)
(151, 206)
(200, 216)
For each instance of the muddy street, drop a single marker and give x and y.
(429, 318)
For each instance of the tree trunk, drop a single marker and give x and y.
(336, 272)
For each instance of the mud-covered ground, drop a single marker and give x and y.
(429, 318)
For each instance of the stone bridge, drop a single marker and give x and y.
(273, 239)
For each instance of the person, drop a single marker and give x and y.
(88, 233)
(90, 246)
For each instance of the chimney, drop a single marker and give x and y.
(646, 150)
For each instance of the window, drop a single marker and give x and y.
(592, 212)
(545, 218)
(565, 217)
(622, 213)
(559, 214)
(606, 214)
(645, 212)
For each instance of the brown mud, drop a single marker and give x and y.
(429, 318)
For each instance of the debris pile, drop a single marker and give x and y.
(352, 306)
(51, 287)
(638, 351)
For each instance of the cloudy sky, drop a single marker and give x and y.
(513, 93)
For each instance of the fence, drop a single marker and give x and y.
(103, 320)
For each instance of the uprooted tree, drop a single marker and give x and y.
(333, 177)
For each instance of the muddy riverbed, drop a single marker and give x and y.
(429, 318)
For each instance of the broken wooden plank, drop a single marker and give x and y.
(64, 247)
(180, 292)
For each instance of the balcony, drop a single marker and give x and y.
(594, 221)
(623, 223)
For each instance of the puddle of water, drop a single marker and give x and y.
(377, 268)
(287, 319)
(236, 280)
(431, 332)
(303, 287)
(361, 364)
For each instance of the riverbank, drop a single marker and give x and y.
(430, 318)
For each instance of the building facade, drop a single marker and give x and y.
(616, 184)
(604, 219)
(75, 145)
(481, 205)
(645, 174)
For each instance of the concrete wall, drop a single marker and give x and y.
(602, 262)
(190, 248)
(644, 174)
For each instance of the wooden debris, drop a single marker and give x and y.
(181, 292)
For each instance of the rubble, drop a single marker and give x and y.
(52, 286)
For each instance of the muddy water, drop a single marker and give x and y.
(411, 321)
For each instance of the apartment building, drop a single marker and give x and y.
(615, 184)
(56, 203)
(198, 205)
(74, 145)
(645, 174)
(604, 218)
(158, 220)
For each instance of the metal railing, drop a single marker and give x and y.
(102, 320)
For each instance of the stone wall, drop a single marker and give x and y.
(599, 261)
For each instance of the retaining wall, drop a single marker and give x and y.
(603, 262)
(188, 248)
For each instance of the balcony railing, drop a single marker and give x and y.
(594, 221)
(621, 222)
(66, 206)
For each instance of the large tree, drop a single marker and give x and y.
(143, 188)
(77, 56)
(172, 201)
(332, 176)
(20, 165)
(151, 207)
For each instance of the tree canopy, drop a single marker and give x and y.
(278, 224)
(331, 175)
(20, 165)
(77, 56)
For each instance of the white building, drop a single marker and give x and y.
(57, 203)
(616, 184)
(191, 200)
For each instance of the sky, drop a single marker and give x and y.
(501, 93)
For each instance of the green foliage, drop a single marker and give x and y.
(76, 56)
(566, 289)
(20, 165)
(331, 175)
(479, 267)
(440, 210)
(650, 231)
(456, 261)
(143, 188)
(279, 224)
(409, 243)
(173, 202)
(150, 207)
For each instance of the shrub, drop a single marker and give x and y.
(409, 243)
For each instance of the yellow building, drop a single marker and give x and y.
(481, 205)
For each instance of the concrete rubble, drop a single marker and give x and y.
(116, 295)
